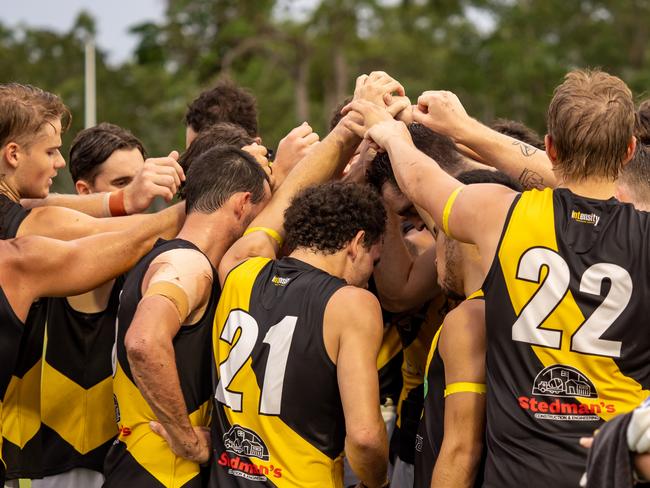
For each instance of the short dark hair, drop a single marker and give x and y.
(219, 173)
(226, 102)
(489, 176)
(636, 175)
(519, 131)
(93, 146)
(221, 134)
(437, 146)
(326, 217)
(642, 123)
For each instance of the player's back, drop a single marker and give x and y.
(278, 416)
(568, 342)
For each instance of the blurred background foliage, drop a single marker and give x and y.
(502, 57)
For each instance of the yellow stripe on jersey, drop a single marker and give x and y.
(78, 415)
(21, 415)
(149, 449)
(391, 345)
(464, 387)
(613, 387)
(293, 455)
(477, 294)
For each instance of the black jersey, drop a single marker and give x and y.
(428, 440)
(21, 446)
(567, 332)
(278, 414)
(12, 215)
(77, 383)
(140, 457)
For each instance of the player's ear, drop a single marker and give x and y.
(10, 153)
(355, 245)
(82, 187)
(241, 203)
(550, 148)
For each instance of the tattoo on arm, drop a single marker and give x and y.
(530, 179)
(526, 150)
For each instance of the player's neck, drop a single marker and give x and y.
(333, 264)
(7, 190)
(473, 276)
(597, 188)
(212, 233)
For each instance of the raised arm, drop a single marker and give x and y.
(322, 163)
(462, 348)
(443, 112)
(473, 214)
(159, 177)
(176, 291)
(366, 446)
(404, 281)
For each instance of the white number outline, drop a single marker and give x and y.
(279, 337)
(587, 338)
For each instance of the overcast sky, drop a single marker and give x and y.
(113, 18)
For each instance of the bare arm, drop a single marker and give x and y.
(150, 350)
(39, 266)
(66, 224)
(366, 446)
(462, 348)
(159, 177)
(404, 281)
(429, 187)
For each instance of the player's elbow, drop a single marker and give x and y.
(140, 349)
(465, 453)
(368, 439)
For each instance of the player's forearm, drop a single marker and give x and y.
(392, 272)
(522, 162)
(457, 464)
(368, 457)
(153, 366)
(93, 204)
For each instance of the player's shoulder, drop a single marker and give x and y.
(464, 326)
(351, 299)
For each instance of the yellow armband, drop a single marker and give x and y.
(465, 387)
(269, 232)
(447, 211)
(174, 293)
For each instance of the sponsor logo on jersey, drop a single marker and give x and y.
(245, 442)
(419, 441)
(584, 218)
(560, 380)
(279, 281)
(246, 469)
(124, 431)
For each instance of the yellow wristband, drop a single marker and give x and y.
(464, 387)
(269, 232)
(447, 211)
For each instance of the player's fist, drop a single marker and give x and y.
(442, 112)
(159, 177)
(292, 148)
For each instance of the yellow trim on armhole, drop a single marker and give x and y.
(477, 294)
(273, 234)
(447, 211)
(465, 387)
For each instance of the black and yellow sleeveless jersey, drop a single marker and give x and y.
(77, 411)
(21, 403)
(389, 362)
(140, 457)
(278, 416)
(10, 334)
(432, 424)
(568, 346)
(416, 331)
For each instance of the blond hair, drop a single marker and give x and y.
(24, 109)
(591, 121)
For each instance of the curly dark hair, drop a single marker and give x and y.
(226, 102)
(336, 116)
(326, 217)
(519, 131)
(93, 146)
(438, 147)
